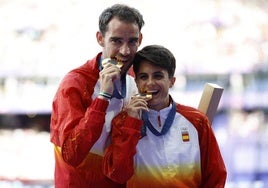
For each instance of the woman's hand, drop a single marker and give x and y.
(136, 105)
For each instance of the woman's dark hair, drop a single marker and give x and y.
(157, 55)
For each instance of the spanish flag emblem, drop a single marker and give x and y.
(185, 136)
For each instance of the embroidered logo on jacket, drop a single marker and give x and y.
(185, 135)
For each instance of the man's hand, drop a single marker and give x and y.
(108, 75)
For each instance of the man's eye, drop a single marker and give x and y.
(133, 42)
(116, 41)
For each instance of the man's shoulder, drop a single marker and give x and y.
(85, 73)
(88, 69)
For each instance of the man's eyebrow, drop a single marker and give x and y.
(115, 38)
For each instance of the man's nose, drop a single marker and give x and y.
(125, 50)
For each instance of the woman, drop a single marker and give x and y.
(157, 142)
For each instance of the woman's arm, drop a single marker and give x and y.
(118, 162)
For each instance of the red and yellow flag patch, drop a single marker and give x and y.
(185, 136)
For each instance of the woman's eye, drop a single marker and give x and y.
(142, 77)
(158, 76)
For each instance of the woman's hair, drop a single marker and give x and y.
(157, 55)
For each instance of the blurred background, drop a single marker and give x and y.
(218, 41)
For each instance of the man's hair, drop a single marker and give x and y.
(157, 55)
(123, 12)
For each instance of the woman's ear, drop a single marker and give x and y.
(172, 82)
(100, 38)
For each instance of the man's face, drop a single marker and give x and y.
(121, 40)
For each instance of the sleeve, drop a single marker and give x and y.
(213, 170)
(212, 165)
(118, 163)
(75, 125)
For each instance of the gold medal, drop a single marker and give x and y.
(147, 95)
(114, 61)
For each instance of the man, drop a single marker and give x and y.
(90, 96)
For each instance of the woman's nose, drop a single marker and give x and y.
(150, 80)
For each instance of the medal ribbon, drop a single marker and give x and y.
(166, 127)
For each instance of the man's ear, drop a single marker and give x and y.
(100, 38)
(140, 39)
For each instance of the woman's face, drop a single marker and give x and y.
(154, 79)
